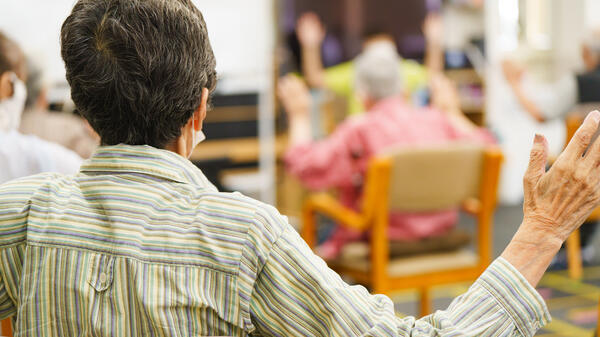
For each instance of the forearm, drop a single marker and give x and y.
(434, 58)
(312, 66)
(527, 104)
(460, 122)
(300, 131)
(317, 302)
(531, 252)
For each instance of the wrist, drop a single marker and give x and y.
(311, 48)
(531, 252)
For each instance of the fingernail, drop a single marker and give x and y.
(538, 138)
(594, 115)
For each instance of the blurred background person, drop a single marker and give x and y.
(554, 100)
(22, 155)
(340, 161)
(543, 106)
(75, 133)
(340, 79)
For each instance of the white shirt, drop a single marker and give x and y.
(515, 129)
(24, 155)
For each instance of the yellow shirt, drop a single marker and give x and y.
(340, 80)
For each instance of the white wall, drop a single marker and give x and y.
(242, 36)
(240, 32)
(35, 25)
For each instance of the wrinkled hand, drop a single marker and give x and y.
(294, 96)
(557, 202)
(513, 72)
(444, 94)
(311, 32)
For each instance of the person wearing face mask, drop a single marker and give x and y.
(139, 243)
(22, 155)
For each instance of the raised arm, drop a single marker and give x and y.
(514, 74)
(311, 33)
(433, 30)
(296, 294)
(318, 164)
(556, 202)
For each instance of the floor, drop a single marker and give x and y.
(573, 304)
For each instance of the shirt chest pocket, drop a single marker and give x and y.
(101, 273)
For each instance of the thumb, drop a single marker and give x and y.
(537, 163)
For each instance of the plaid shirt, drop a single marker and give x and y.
(139, 243)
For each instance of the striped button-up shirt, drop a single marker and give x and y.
(139, 243)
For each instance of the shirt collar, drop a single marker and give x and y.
(144, 159)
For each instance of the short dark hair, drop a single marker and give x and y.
(137, 67)
(12, 57)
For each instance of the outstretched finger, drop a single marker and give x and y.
(537, 164)
(593, 154)
(582, 138)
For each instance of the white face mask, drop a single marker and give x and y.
(197, 138)
(11, 108)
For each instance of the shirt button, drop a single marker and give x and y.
(102, 277)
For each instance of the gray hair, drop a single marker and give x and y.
(137, 68)
(377, 71)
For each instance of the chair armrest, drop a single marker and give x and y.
(327, 205)
(471, 206)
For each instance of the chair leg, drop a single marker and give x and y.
(575, 264)
(6, 328)
(425, 302)
(308, 230)
(598, 324)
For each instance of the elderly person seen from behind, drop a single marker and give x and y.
(341, 160)
(139, 243)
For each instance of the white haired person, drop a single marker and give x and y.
(22, 155)
(340, 161)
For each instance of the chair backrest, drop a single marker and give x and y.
(434, 177)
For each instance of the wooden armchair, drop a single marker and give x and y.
(409, 180)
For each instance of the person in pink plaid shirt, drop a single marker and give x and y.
(340, 161)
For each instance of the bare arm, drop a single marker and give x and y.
(296, 101)
(311, 34)
(513, 74)
(444, 97)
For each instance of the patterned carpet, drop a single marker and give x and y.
(573, 304)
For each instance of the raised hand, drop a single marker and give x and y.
(294, 96)
(433, 28)
(310, 30)
(558, 201)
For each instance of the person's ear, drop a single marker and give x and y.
(200, 114)
(6, 86)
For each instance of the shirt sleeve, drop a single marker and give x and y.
(296, 294)
(329, 162)
(340, 79)
(14, 209)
